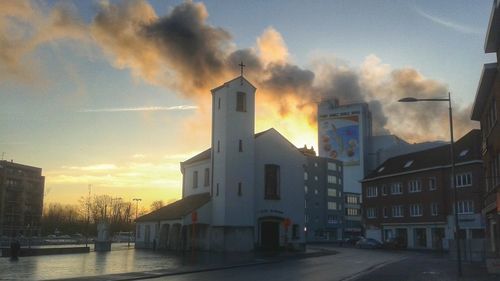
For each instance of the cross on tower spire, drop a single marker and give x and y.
(241, 67)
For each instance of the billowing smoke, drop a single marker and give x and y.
(183, 52)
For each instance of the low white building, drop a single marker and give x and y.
(245, 192)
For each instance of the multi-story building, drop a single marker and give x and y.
(21, 199)
(410, 196)
(485, 109)
(343, 134)
(324, 212)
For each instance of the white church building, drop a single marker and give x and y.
(243, 193)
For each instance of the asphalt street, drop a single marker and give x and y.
(429, 267)
(343, 266)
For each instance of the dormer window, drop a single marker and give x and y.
(464, 152)
(241, 103)
(408, 164)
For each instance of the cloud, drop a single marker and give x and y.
(148, 108)
(447, 23)
(184, 53)
(24, 27)
(96, 167)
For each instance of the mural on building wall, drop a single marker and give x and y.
(339, 139)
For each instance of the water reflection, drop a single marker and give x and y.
(120, 259)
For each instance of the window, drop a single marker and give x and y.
(352, 212)
(396, 188)
(239, 189)
(371, 213)
(217, 190)
(305, 176)
(464, 179)
(385, 190)
(218, 106)
(380, 169)
(415, 210)
(351, 199)
(408, 164)
(305, 189)
(414, 186)
(332, 166)
(272, 181)
(206, 178)
(240, 146)
(385, 212)
(218, 146)
(332, 219)
(332, 205)
(464, 152)
(371, 191)
(465, 207)
(332, 192)
(434, 209)
(241, 103)
(397, 211)
(315, 164)
(195, 179)
(316, 178)
(332, 179)
(432, 183)
(316, 191)
(138, 231)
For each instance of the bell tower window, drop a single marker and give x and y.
(241, 102)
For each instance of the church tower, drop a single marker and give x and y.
(233, 164)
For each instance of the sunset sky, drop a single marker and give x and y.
(116, 93)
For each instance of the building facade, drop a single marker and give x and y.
(324, 204)
(343, 134)
(486, 111)
(245, 192)
(410, 196)
(21, 199)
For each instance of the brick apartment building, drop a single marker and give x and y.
(485, 110)
(21, 199)
(410, 195)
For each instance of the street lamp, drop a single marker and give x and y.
(453, 185)
(136, 205)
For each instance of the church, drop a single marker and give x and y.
(245, 192)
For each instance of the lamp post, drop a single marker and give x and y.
(136, 208)
(453, 185)
(136, 205)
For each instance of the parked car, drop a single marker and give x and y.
(352, 240)
(395, 243)
(368, 243)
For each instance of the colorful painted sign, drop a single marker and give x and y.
(339, 139)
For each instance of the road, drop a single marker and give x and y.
(342, 266)
(429, 267)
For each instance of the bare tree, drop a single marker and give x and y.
(156, 205)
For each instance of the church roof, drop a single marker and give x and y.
(228, 82)
(206, 154)
(178, 209)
